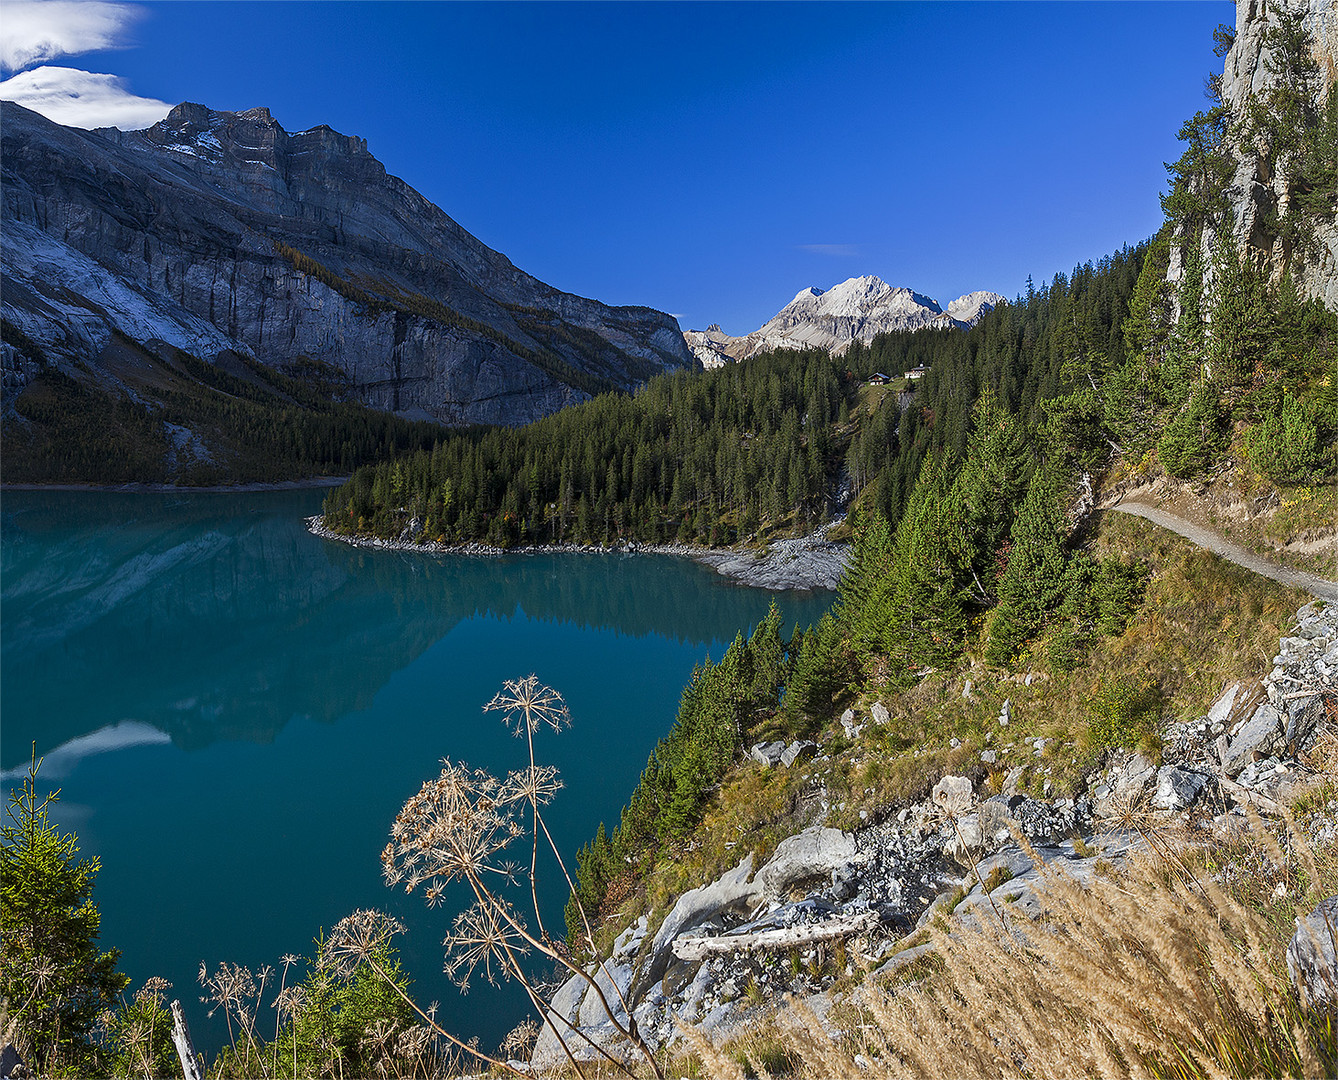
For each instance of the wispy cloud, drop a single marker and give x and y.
(36, 31)
(82, 99)
(843, 251)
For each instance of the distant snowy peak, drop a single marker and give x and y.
(857, 309)
(968, 309)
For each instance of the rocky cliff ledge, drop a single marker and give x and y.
(1258, 193)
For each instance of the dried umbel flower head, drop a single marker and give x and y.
(532, 784)
(527, 705)
(449, 830)
(366, 933)
(520, 1039)
(484, 934)
(151, 993)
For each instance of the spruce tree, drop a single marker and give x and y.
(1033, 583)
(53, 974)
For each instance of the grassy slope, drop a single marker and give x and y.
(1203, 622)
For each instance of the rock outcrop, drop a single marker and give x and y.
(728, 948)
(1257, 193)
(218, 232)
(857, 309)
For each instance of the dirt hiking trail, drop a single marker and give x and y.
(1218, 545)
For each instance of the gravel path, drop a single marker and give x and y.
(1218, 545)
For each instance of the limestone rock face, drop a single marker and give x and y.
(1255, 193)
(1312, 958)
(217, 231)
(856, 309)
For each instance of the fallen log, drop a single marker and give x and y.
(698, 948)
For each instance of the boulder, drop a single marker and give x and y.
(767, 753)
(817, 852)
(952, 795)
(1312, 960)
(879, 713)
(1220, 710)
(1259, 734)
(610, 978)
(796, 750)
(1176, 788)
(565, 1006)
(966, 839)
(996, 817)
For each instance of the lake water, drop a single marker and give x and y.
(235, 710)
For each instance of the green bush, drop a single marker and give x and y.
(1283, 446)
(1124, 713)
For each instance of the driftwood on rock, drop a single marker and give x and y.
(192, 1066)
(698, 948)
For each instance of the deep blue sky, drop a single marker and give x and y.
(713, 159)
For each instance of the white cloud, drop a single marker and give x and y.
(34, 31)
(842, 250)
(82, 99)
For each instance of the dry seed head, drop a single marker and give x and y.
(528, 704)
(355, 938)
(484, 935)
(535, 783)
(450, 829)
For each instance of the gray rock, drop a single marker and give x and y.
(996, 817)
(966, 839)
(814, 853)
(1260, 734)
(1255, 193)
(1176, 788)
(565, 1006)
(879, 713)
(953, 795)
(767, 753)
(989, 757)
(1006, 713)
(795, 750)
(732, 890)
(611, 979)
(1312, 961)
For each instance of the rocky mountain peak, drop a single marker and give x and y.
(858, 308)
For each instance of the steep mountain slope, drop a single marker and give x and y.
(220, 233)
(856, 309)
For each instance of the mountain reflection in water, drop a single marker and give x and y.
(176, 612)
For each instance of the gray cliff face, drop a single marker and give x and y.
(1257, 193)
(216, 231)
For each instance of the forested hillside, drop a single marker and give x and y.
(973, 532)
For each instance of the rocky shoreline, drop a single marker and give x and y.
(809, 562)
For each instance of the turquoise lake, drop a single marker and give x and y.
(235, 710)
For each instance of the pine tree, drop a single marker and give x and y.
(1032, 584)
(52, 973)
